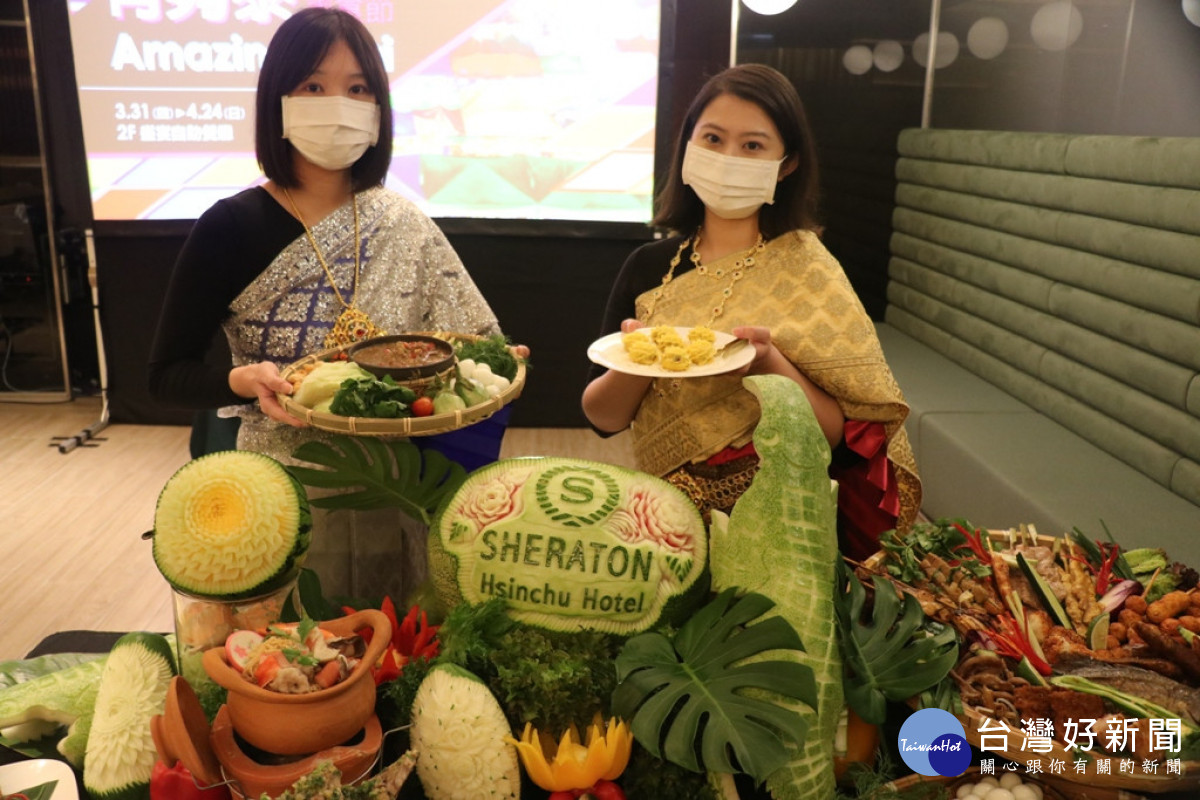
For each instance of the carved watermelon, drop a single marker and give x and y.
(571, 545)
(231, 524)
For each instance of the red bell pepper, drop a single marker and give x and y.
(175, 783)
(412, 637)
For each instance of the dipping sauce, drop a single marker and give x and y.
(401, 354)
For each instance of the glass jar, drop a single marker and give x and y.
(202, 623)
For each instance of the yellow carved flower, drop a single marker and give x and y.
(571, 765)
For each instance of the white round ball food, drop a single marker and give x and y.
(1010, 779)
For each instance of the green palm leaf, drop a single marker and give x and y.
(705, 700)
(376, 474)
(889, 655)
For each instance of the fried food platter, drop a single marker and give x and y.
(1000, 614)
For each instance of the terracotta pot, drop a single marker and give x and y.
(249, 778)
(301, 724)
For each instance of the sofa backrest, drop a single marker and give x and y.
(1066, 270)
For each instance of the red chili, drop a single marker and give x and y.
(975, 542)
(1015, 643)
(1105, 573)
(175, 783)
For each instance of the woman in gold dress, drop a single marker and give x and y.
(746, 258)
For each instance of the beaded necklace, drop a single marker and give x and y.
(736, 272)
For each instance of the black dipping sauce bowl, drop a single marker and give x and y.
(386, 355)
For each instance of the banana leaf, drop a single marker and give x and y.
(705, 699)
(890, 655)
(373, 474)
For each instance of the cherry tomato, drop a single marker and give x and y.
(605, 790)
(422, 407)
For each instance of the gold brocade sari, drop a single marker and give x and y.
(798, 290)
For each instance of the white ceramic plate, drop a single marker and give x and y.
(24, 775)
(608, 351)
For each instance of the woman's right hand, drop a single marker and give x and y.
(611, 400)
(260, 382)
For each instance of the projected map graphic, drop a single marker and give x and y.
(539, 109)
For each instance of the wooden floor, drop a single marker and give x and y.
(71, 552)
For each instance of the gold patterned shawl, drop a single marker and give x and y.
(798, 290)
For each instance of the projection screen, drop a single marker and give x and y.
(531, 109)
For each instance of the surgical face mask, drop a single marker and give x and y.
(331, 132)
(730, 187)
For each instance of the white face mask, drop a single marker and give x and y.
(331, 132)
(730, 187)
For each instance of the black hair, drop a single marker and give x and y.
(796, 197)
(295, 51)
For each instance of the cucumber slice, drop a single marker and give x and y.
(1026, 670)
(133, 688)
(1045, 594)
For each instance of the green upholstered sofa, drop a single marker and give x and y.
(1043, 321)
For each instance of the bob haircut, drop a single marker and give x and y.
(295, 51)
(796, 196)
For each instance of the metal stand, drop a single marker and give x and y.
(87, 436)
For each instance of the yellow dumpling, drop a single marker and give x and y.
(641, 351)
(675, 358)
(632, 337)
(700, 351)
(665, 335)
(701, 333)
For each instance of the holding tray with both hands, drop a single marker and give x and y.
(444, 393)
(671, 352)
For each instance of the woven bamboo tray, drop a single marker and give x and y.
(405, 426)
(1019, 750)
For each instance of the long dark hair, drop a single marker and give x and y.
(796, 196)
(295, 51)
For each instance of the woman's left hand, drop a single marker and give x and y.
(770, 360)
(765, 352)
(520, 350)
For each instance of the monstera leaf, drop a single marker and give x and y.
(698, 699)
(891, 655)
(377, 474)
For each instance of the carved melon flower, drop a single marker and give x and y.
(646, 516)
(488, 503)
(571, 765)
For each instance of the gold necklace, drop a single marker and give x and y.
(736, 272)
(352, 325)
